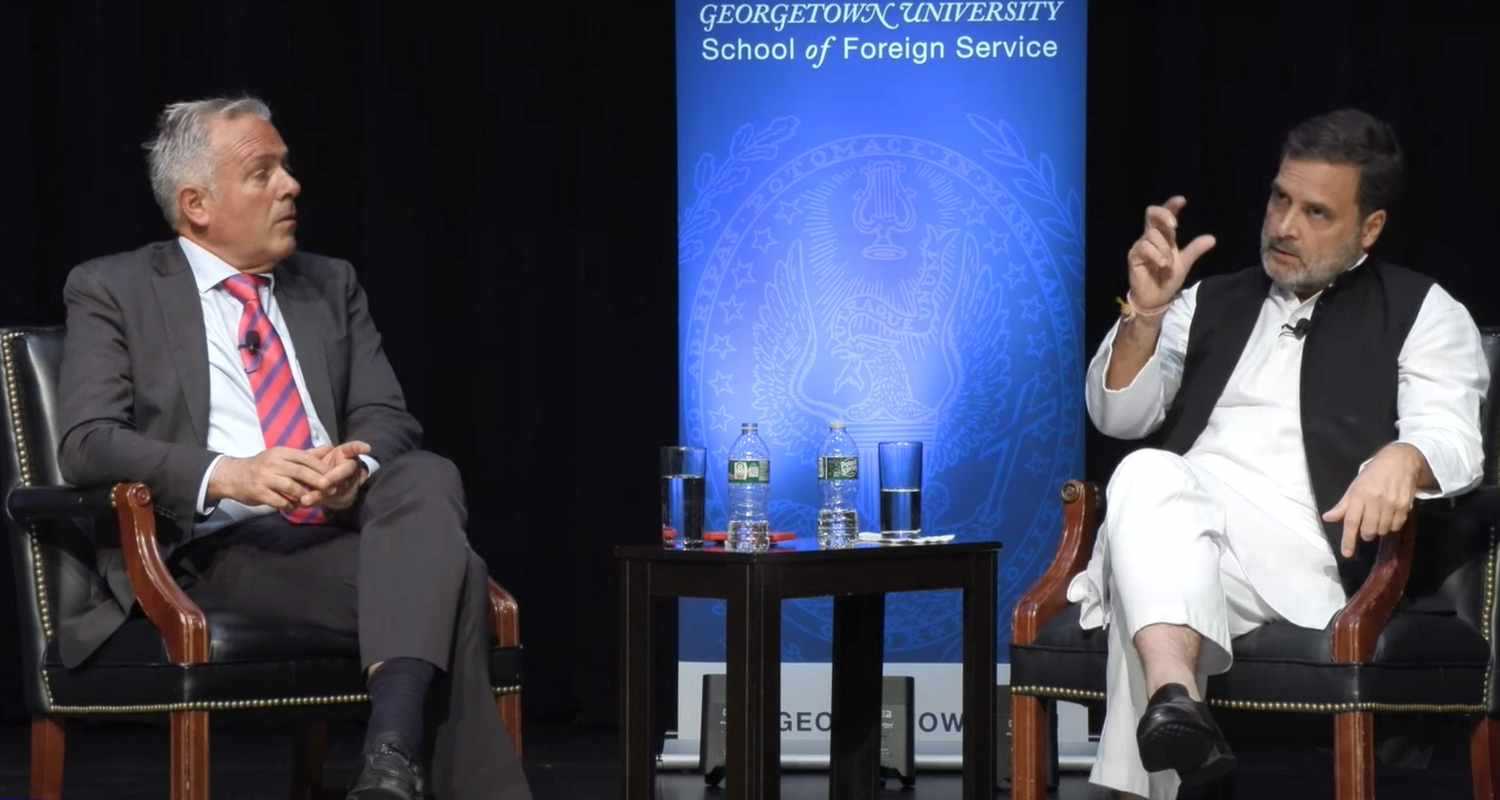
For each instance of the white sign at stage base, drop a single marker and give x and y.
(806, 717)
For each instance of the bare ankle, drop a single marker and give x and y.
(1169, 654)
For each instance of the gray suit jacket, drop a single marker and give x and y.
(134, 390)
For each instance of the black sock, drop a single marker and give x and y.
(398, 704)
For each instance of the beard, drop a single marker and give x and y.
(1314, 273)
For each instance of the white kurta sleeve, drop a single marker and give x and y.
(1441, 382)
(1138, 409)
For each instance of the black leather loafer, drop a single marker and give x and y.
(1177, 732)
(388, 774)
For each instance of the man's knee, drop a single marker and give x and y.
(1147, 470)
(419, 496)
(427, 474)
(1148, 464)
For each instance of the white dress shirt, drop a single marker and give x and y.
(233, 421)
(1253, 439)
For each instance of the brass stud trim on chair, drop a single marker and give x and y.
(1057, 693)
(1487, 613)
(44, 609)
(1060, 693)
(13, 398)
(239, 705)
(1344, 708)
(23, 463)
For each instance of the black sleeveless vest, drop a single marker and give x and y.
(1348, 380)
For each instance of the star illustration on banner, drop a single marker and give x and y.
(763, 240)
(974, 214)
(721, 346)
(742, 274)
(722, 419)
(787, 212)
(733, 310)
(1037, 344)
(998, 243)
(1031, 309)
(1014, 274)
(722, 383)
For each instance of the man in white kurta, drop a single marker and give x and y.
(1226, 537)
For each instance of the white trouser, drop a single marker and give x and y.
(1164, 556)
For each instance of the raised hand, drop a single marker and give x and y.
(1157, 266)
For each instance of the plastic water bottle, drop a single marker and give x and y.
(838, 477)
(749, 491)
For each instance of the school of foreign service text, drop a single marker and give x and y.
(853, 48)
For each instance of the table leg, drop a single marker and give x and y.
(858, 650)
(979, 677)
(637, 761)
(753, 704)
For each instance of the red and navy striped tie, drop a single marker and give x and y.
(283, 420)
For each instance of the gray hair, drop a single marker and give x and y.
(180, 154)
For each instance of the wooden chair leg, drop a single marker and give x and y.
(510, 714)
(189, 755)
(307, 761)
(1354, 755)
(1031, 748)
(1484, 758)
(48, 744)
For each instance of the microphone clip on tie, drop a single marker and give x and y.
(1299, 330)
(252, 345)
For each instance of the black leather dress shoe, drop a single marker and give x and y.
(1177, 732)
(388, 774)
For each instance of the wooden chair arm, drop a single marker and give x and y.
(1360, 624)
(1050, 593)
(505, 616)
(180, 621)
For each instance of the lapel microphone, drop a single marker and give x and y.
(1299, 330)
(252, 341)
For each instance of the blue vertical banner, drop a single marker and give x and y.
(881, 221)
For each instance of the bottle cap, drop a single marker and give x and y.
(836, 425)
(749, 426)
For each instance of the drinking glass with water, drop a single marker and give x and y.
(682, 471)
(900, 490)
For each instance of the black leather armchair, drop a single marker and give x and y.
(1419, 637)
(176, 659)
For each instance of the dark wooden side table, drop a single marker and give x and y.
(754, 584)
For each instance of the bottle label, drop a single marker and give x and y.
(750, 471)
(838, 468)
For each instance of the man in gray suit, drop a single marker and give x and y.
(245, 383)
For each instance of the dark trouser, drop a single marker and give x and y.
(401, 575)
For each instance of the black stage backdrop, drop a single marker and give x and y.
(503, 179)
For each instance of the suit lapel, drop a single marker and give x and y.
(182, 314)
(300, 308)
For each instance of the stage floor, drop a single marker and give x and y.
(251, 758)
